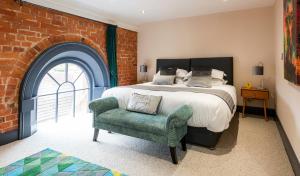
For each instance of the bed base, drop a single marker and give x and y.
(202, 137)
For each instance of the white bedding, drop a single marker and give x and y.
(209, 111)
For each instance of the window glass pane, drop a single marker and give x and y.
(58, 73)
(47, 86)
(81, 102)
(46, 106)
(82, 82)
(55, 82)
(65, 87)
(65, 104)
(73, 72)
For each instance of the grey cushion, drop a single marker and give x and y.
(218, 82)
(163, 80)
(168, 71)
(200, 81)
(201, 72)
(143, 103)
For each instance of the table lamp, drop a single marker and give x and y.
(143, 70)
(258, 70)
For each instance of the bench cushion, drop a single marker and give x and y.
(137, 121)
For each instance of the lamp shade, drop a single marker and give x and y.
(258, 70)
(143, 68)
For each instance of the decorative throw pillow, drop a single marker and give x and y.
(147, 104)
(200, 81)
(167, 71)
(163, 80)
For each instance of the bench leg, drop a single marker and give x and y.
(183, 143)
(173, 155)
(96, 132)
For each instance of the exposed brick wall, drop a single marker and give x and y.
(127, 56)
(26, 31)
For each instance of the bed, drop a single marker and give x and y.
(211, 114)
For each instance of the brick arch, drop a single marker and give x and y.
(32, 53)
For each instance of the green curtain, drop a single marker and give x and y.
(111, 48)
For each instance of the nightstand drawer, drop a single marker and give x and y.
(262, 95)
(257, 94)
(248, 93)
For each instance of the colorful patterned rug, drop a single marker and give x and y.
(50, 162)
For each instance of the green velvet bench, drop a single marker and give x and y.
(169, 130)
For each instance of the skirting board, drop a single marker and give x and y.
(257, 111)
(8, 137)
(289, 149)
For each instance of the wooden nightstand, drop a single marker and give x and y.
(257, 94)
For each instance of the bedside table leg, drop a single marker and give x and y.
(244, 106)
(265, 109)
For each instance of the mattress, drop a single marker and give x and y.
(209, 111)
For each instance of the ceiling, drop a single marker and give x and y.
(132, 13)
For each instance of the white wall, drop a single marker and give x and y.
(246, 35)
(288, 95)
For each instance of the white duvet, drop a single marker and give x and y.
(209, 111)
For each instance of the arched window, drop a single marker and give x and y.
(63, 91)
(52, 74)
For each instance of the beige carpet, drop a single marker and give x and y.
(251, 147)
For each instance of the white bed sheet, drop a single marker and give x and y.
(209, 111)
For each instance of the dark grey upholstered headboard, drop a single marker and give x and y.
(173, 63)
(221, 63)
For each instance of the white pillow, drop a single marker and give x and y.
(179, 81)
(181, 73)
(187, 76)
(218, 74)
